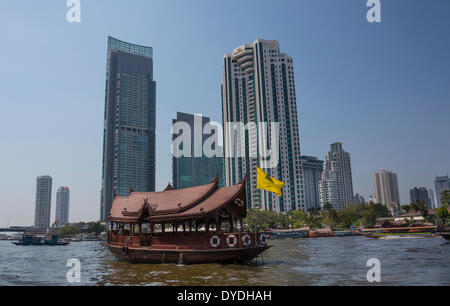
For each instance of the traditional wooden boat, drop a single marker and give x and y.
(202, 224)
(404, 232)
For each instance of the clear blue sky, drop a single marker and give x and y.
(381, 89)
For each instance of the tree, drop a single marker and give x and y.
(445, 197)
(421, 206)
(443, 214)
(313, 220)
(406, 208)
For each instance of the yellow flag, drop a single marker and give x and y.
(265, 182)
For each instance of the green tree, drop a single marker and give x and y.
(421, 206)
(443, 214)
(406, 208)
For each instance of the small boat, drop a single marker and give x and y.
(445, 235)
(281, 234)
(400, 232)
(202, 224)
(33, 239)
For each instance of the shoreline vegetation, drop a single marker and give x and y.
(354, 216)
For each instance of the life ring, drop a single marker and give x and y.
(263, 239)
(232, 244)
(214, 241)
(125, 250)
(247, 240)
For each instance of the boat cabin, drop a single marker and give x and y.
(198, 218)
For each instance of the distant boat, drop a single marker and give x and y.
(445, 235)
(281, 234)
(31, 239)
(400, 232)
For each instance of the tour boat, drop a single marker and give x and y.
(403, 232)
(185, 226)
(34, 239)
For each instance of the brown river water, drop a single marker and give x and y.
(291, 262)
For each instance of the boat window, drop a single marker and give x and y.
(145, 228)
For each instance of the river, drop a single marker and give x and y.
(314, 261)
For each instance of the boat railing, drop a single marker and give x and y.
(190, 240)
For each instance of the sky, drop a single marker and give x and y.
(382, 89)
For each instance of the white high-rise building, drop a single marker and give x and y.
(62, 206)
(258, 86)
(386, 187)
(43, 202)
(336, 185)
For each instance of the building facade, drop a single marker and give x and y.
(336, 184)
(441, 183)
(259, 87)
(189, 171)
(312, 170)
(359, 199)
(386, 187)
(130, 122)
(424, 194)
(43, 202)
(62, 206)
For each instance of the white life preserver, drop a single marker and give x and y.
(247, 240)
(214, 241)
(232, 244)
(263, 239)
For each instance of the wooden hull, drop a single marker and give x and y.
(160, 256)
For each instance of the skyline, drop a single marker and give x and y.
(405, 57)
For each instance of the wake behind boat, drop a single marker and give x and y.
(400, 232)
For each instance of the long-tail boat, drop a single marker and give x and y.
(414, 231)
(184, 226)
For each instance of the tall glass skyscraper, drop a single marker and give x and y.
(129, 130)
(336, 184)
(258, 87)
(43, 202)
(194, 171)
(62, 206)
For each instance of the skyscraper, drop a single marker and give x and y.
(189, 171)
(441, 183)
(129, 130)
(422, 194)
(62, 206)
(336, 184)
(258, 87)
(359, 199)
(386, 187)
(312, 170)
(43, 202)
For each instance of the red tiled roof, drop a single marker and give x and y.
(172, 204)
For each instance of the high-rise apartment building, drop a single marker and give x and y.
(62, 206)
(424, 194)
(441, 183)
(189, 171)
(130, 122)
(312, 171)
(359, 199)
(259, 87)
(43, 202)
(386, 187)
(336, 184)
